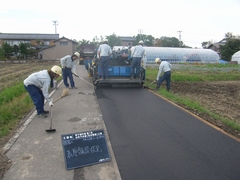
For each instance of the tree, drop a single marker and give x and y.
(229, 35)
(7, 49)
(205, 44)
(231, 46)
(83, 41)
(170, 42)
(1, 53)
(24, 49)
(147, 39)
(113, 40)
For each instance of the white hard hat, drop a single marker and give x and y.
(57, 70)
(77, 54)
(158, 60)
(140, 42)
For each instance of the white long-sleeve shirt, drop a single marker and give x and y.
(138, 51)
(41, 80)
(104, 50)
(163, 67)
(67, 62)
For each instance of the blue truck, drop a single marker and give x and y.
(119, 70)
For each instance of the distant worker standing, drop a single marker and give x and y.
(104, 53)
(68, 64)
(37, 85)
(137, 55)
(165, 68)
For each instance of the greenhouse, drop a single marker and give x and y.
(181, 55)
(236, 57)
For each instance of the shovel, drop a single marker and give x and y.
(50, 129)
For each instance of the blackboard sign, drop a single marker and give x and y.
(84, 148)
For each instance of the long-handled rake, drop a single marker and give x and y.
(50, 129)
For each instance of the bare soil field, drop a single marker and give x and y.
(221, 98)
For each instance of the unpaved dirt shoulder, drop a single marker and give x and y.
(221, 98)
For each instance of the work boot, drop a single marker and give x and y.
(73, 87)
(157, 88)
(42, 115)
(45, 112)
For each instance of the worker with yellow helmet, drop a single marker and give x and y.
(165, 68)
(37, 85)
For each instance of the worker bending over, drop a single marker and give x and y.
(37, 85)
(165, 68)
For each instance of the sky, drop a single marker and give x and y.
(195, 20)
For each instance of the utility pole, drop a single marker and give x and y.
(140, 32)
(55, 23)
(179, 35)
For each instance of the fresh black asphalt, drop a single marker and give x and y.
(153, 139)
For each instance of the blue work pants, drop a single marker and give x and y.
(136, 64)
(37, 97)
(166, 76)
(67, 73)
(104, 66)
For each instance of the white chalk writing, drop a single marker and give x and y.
(78, 151)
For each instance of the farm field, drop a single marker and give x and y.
(220, 97)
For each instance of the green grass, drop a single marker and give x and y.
(197, 76)
(14, 108)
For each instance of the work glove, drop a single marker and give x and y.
(50, 104)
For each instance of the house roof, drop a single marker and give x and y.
(218, 44)
(127, 38)
(64, 38)
(25, 36)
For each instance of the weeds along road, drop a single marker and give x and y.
(153, 139)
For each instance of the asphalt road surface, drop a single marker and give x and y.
(154, 139)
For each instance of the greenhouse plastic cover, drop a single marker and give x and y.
(181, 55)
(236, 57)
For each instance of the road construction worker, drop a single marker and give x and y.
(143, 66)
(68, 64)
(137, 55)
(37, 85)
(165, 68)
(104, 53)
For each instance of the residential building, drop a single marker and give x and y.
(216, 46)
(61, 48)
(34, 39)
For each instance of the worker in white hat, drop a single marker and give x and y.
(68, 64)
(37, 85)
(137, 55)
(165, 68)
(104, 52)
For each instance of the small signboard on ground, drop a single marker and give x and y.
(84, 148)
